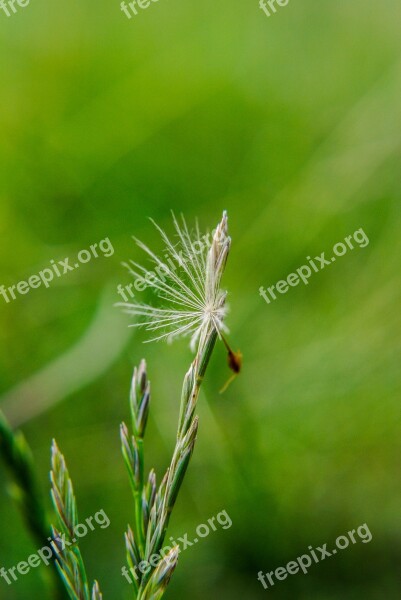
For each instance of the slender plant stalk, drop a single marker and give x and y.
(186, 438)
(70, 563)
(152, 516)
(152, 513)
(17, 455)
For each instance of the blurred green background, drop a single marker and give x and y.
(292, 124)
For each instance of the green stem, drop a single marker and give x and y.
(139, 528)
(192, 385)
(18, 457)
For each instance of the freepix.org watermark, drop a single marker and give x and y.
(269, 7)
(316, 555)
(46, 554)
(202, 531)
(9, 8)
(132, 8)
(316, 264)
(58, 269)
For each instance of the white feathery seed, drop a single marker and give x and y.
(187, 281)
